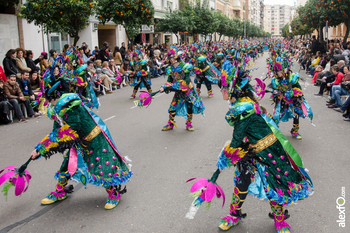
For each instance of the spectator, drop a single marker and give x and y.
(315, 62)
(52, 57)
(15, 96)
(2, 75)
(151, 52)
(157, 52)
(108, 72)
(337, 90)
(94, 51)
(123, 51)
(346, 54)
(5, 106)
(84, 53)
(104, 53)
(113, 67)
(124, 70)
(326, 72)
(117, 57)
(65, 48)
(21, 62)
(338, 56)
(26, 88)
(154, 67)
(341, 65)
(35, 81)
(330, 79)
(44, 64)
(9, 63)
(104, 78)
(30, 63)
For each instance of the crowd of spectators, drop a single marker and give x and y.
(327, 63)
(107, 70)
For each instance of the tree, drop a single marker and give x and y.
(129, 13)
(285, 31)
(338, 11)
(173, 22)
(64, 16)
(224, 24)
(6, 3)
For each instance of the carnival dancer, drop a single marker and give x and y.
(92, 157)
(288, 97)
(185, 102)
(267, 165)
(140, 73)
(205, 73)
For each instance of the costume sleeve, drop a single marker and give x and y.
(61, 138)
(232, 153)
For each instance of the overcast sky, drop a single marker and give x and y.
(279, 2)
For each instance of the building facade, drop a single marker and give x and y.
(275, 17)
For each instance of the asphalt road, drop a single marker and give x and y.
(158, 197)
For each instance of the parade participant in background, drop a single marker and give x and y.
(140, 73)
(185, 102)
(267, 165)
(205, 72)
(288, 96)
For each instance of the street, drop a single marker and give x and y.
(158, 197)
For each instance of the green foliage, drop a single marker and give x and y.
(129, 13)
(285, 31)
(6, 189)
(6, 3)
(196, 18)
(64, 16)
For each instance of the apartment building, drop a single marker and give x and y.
(275, 17)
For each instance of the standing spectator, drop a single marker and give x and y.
(9, 63)
(157, 52)
(151, 52)
(2, 75)
(123, 51)
(5, 106)
(104, 54)
(30, 63)
(15, 96)
(117, 57)
(52, 57)
(21, 62)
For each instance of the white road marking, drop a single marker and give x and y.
(133, 107)
(156, 96)
(109, 118)
(192, 211)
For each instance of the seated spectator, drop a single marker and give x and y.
(113, 67)
(117, 57)
(21, 62)
(329, 80)
(108, 72)
(338, 55)
(314, 63)
(2, 75)
(9, 63)
(341, 65)
(30, 63)
(345, 108)
(26, 88)
(84, 53)
(15, 96)
(346, 54)
(44, 63)
(325, 72)
(94, 51)
(5, 106)
(35, 81)
(124, 71)
(103, 77)
(337, 90)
